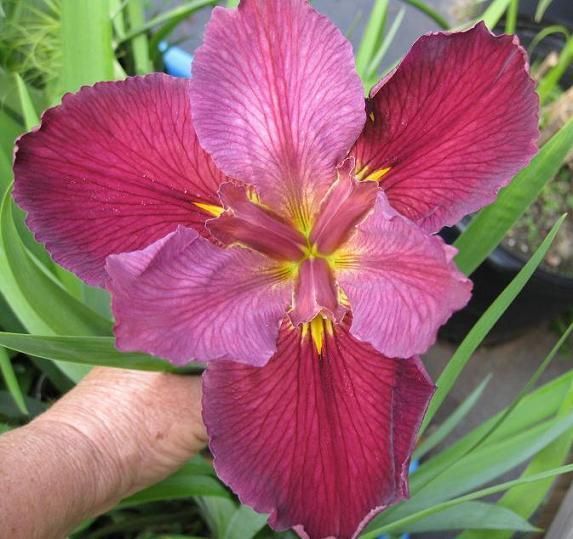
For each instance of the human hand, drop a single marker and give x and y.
(115, 433)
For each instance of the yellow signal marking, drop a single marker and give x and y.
(210, 208)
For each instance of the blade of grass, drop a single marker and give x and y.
(51, 304)
(550, 81)
(471, 515)
(452, 421)
(87, 50)
(11, 381)
(539, 406)
(476, 495)
(511, 17)
(139, 43)
(485, 324)
(492, 15)
(92, 351)
(433, 14)
(547, 31)
(385, 45)
(489, 227)
(180, 12)
(31, 118)
(542, 6)
(372, 37)
(195, 478)
(475, 469)
(480, 447)
(528, 386)
(525, 500)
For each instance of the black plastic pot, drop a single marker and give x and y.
(558, 12)
(543, 298)
(547, 294)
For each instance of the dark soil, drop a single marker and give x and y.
(528, 233)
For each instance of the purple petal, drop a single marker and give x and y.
(321, 441)
(452, 125)
(315, 292)
(345, 205)
(183, 298)
(113, 169)
(276, 99)
(401, 283)
(248, 223)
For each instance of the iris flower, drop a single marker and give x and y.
(266, 219)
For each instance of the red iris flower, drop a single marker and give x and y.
(266, 220)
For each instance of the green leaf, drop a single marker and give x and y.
(191, 480)
(372, 38)
(11, 381)
(217, 513)
(139, 43)
(472, 516)
(9, 410)
(538, 406)
(547, 31)
(87, 50)
(383, 49)
(492, 15)
(550, 81)
(232, 3)
(5, 166)
(31, 119)
(451, 422)
(486, 230)
(179, 13)
(477, 468)
(245, 524)
(373, 533)
(542, 6)
(423, 7)
(493, 442)
(511, 17)
(90, 351)
(526, 499)
(38, 300)
(486, 322)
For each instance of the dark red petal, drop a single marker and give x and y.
(112, 169)
(453, 124)
(320, 441)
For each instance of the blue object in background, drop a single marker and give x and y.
(178, 62)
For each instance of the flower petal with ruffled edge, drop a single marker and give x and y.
(401, 282)
(183, 298)
(451, 125)
(321, 441)
(114, 168)
(277, 100)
